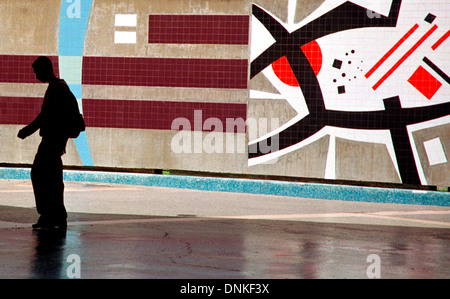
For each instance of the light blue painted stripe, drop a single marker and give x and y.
(266, 187)
(76, 90)
(71, 69)
(74, 18)
(83, 149)
(73, 22)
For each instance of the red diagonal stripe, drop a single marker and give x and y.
(441, 40)
(392, 50)
(404, 57)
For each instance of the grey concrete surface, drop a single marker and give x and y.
(118, 231)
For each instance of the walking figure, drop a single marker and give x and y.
(56, 125)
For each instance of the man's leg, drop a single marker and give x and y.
(48, 186)
(38, 177)
(57, 210)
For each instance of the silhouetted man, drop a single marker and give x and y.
(47, 169)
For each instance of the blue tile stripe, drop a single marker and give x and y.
(73, 22)
(266, 187)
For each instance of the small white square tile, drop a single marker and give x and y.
(125, 37)
(127, 20)
(435, 151)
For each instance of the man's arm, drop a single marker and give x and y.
(31, 128)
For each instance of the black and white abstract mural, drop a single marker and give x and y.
(365, 71)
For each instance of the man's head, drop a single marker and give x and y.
(43, 68)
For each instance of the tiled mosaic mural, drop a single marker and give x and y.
(348, 90)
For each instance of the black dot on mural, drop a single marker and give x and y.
(343, 74)
(334, 80)
(349, 62)
(337, 63)
(430, 18)
(353, 51)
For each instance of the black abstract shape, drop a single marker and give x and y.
(345, 17)
(430, 18)
(337, 64)
(437, 70)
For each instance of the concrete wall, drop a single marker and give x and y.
(328, 89)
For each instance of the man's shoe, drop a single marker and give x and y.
(50, 226)
(60, 226)
(37, 225)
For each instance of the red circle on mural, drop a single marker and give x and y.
(282, 68)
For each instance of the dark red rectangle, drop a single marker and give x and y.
(19, 111)
(159, 115)
(18, 68)
(199, 29)
(165, 72)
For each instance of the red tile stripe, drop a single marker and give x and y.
(18, 69)
(199, 29)
(165, 72)
(19, 111)
(138, 71)
(128, 114)
(156, 115)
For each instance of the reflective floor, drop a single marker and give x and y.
(284, 238)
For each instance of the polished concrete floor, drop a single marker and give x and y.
(118, 231)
